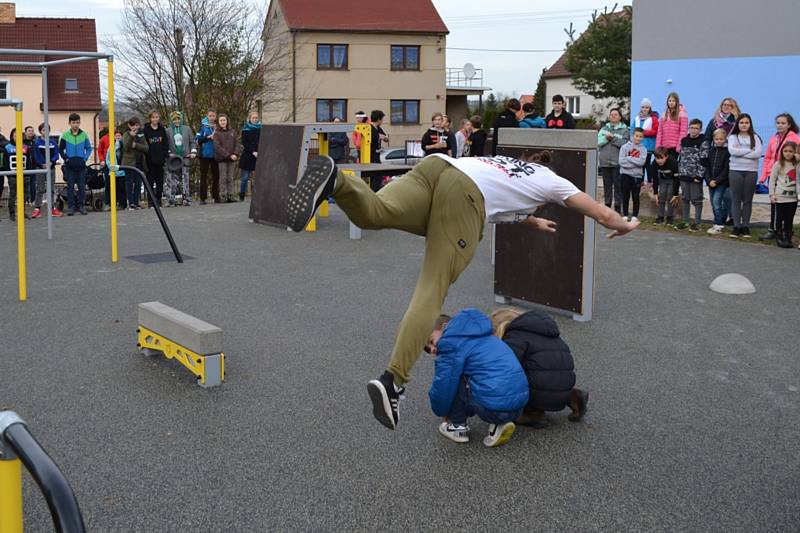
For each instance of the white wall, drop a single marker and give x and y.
(563, 86)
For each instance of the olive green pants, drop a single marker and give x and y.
(444, 205)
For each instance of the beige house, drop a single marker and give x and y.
(72, 87)
(324, 60)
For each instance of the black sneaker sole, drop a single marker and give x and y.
(307, 195)
(381, 408)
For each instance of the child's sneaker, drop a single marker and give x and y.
(669, 221)
(694, 228)
(735, 232)
(744, 232)
(36, 213)
(499, 434)
(681, 225)
(454, 432)
(313, 188)
(56, 213)
(716, 229)
(625, 218)
(385, 396)
(634, 219)
(659, 220)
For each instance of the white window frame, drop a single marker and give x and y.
(571, 101)
(77, 87)
(8, 86)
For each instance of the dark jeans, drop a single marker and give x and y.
(784, 216)
(133, 186)
(107, 179)
(205, 166)
(464, 406)
(155, 175)
(721, 203)
(122, 196)
(75, 177)
(631, 188)
(32, 187)
(612, 187)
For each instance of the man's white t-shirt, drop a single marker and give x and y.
(513, 189)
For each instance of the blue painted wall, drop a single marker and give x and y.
(763, 86)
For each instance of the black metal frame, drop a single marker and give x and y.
(60, 498)
(157, 208)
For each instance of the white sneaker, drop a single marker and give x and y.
(455, 432)
(634, 219)
(714, 230)
(499, 434)
(626, 219)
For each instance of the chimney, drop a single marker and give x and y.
(8, 13)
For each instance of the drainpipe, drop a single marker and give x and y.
(294, 77)
(96, 140)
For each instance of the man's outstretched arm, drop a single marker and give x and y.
(587, 206)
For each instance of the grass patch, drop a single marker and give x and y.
(648, 223)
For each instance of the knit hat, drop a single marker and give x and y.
(646, 102)
(175, 114)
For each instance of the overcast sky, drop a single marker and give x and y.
(496, 25)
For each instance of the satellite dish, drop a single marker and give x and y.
(469, 71)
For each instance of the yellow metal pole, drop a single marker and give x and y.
(10, 495)
(23, 277)
(112, 160)
(366, 141)
(323, 150)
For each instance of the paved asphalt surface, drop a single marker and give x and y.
(693, 422)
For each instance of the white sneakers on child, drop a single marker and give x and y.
(499, 434)
(455, 432)
(716, 229)
(634, 219)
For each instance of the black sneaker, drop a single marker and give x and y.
(681, 225)
(659, 220)
(694, 228)
(769, 235)
(313, 188)
(735, 232)
(385, 399)
(669, 221)
(744, 232)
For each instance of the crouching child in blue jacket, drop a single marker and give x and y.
(476, 374)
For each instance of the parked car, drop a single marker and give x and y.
(397, 156)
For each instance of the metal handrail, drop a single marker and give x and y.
(54, 486)
(155, 205)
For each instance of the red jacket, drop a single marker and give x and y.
(670, 132)
(773, 152)
(102, 148)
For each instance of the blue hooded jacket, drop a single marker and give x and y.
(467, 348)
(206, 144)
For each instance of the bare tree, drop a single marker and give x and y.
(191, 55)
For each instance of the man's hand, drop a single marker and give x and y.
(630, 226)
(541, 224)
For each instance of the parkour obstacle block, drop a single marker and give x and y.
(196, 344)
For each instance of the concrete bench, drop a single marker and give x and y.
(196, 344)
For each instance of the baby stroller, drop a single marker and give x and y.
(95, 189)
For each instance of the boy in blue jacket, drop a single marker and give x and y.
(476, 374)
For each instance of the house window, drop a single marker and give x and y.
(405, 57)
(574, 104)
(331, 57)
(4, 92)
(71, 84)
(329, 109)
(405, 111)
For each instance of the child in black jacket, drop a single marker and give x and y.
(717, 180)
(547, 361)
(666, 183)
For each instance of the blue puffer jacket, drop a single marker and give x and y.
(206, 144)
(467, 348)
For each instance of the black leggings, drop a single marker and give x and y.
(631, 187)
(784, 216)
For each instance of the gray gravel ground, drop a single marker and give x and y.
(694, 395)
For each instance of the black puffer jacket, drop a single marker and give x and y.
(546, 358)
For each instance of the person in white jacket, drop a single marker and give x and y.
(744, 145)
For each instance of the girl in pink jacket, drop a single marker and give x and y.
(674, 125)
(786, 132)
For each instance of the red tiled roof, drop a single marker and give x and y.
(558, 69)
(57, 34)
(385, 16)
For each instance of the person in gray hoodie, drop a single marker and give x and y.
(632, 159)
(181, 144)
(610, 139)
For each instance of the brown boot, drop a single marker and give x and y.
(532, 417)
(578, 403)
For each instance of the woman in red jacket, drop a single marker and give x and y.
(786, 132)
(674, 126)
